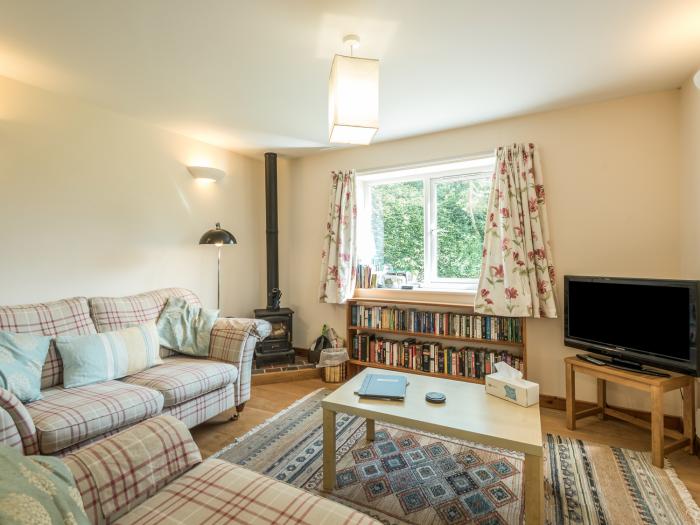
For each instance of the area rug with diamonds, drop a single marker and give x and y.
(408, 476)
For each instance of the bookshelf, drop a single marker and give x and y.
(516, 348)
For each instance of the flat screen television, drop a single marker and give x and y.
(634, 321)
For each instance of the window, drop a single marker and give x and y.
(424, 225)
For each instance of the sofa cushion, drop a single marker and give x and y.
(180, 379)
(67, 316)
(115, 313)
(89, 359)
(220, 492)
(115, 475)
(21, 359)
(36, 489)
(65, 417)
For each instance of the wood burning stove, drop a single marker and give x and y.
(278, 346)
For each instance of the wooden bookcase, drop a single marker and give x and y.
(356, 365)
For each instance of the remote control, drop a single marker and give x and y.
(591, 359)
(600, 362)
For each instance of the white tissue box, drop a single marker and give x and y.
(520, 391)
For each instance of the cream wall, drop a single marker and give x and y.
(690, 180)
(690, 189)
(610, 173)
(97, 203)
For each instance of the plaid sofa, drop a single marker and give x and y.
(153, 473)
(190, 389)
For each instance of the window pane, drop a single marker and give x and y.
(461, 212)
(397, 227)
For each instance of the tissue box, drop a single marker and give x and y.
(520, 391)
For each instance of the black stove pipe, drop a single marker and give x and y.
(273, 292)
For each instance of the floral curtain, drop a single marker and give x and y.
(339, 257)
(517, 271)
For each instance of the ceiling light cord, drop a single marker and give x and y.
(353, 41)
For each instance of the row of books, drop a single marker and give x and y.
(438, 323)
(365, 277)
(469, 361)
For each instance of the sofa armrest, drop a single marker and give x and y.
(229, 336)
(116, 474)
(233, 340)
(15, 421)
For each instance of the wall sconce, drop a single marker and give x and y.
(205, 175)
(696, 79)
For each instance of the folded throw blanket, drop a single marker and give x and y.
(186, 328)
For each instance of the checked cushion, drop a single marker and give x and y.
(217, 491)
(180, 379)
(64, 317)
(115, 313)
(116, 474)
(64, 417)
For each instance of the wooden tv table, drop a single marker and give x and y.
(469, 413)
(656, 386)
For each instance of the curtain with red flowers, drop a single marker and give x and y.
(339, 257)
(517, 271)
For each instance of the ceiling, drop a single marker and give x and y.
(252, 75)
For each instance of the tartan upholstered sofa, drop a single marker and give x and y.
(190, 389)
(152, 473)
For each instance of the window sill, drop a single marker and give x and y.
(465, 297)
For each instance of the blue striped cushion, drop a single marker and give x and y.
(110, 355)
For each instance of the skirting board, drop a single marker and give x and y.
(282, 377)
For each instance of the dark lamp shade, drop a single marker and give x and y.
(218, 237)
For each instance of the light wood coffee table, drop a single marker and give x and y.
(469, 413)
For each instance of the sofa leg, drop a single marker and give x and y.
(239, 408)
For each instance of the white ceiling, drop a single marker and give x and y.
(252, 75)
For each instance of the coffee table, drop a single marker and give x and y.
(469, 413)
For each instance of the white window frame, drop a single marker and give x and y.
(431, 175)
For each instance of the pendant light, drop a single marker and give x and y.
(353, 97)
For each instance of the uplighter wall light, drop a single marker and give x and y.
(353, 97)
(696, 79)
(206, 175)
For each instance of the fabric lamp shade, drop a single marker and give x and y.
(218, 236)
(353, 100)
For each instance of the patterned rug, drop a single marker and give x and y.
(407, 476)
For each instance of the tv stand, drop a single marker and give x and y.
(654, 385)
(621, 364)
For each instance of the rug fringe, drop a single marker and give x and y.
(266, 422)
(682, 490)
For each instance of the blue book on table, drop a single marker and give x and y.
(383, 386)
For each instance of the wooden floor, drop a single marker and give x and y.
(267, 400)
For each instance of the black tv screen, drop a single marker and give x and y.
(641, 320)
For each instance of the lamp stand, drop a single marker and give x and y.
(218, 282)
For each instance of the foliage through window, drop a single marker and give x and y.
(425, 225)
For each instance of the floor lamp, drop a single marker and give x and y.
(218, 237)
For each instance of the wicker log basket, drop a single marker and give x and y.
(334, 374)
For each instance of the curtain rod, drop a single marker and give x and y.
(435, 162)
